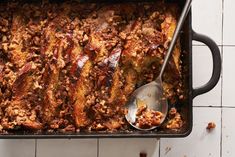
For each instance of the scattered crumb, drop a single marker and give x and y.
(167, 149)
(211, 125)
(143, 154)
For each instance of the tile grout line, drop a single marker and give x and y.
(203, 45)
(98, 147)
(221, 133)
(217, 45)
(214, 106)
(35, 150)
(228, 45)
(222, 56)
(207, 106)
(223, 107)
(159, 151)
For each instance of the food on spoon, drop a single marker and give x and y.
(147, 118)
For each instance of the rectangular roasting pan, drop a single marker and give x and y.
(187, 36)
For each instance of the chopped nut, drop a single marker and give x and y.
(181, 97)
(4, 38)
(122, 35)
(141, 109)
(211, 125)
(3, 22)
(172, 111)
(4, 30)
(85, 38)
(102, 102)
(5, 46)
(36, 40)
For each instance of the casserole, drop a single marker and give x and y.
(185, 107)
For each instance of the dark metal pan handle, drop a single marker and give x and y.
(216, 57)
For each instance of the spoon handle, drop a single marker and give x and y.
(176, 33)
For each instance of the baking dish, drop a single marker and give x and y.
(187, 35)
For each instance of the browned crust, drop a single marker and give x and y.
(70, 66)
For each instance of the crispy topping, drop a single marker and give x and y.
(71, 67)
(175, 121)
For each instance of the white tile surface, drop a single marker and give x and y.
(128, 147)
(228, 76)
(202, 71)
(200, 143)
(207, 18)
(228, 128)
(67, 148)
(17, 148)
(229, 22)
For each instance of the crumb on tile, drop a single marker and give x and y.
(143, 154)
(211, 125)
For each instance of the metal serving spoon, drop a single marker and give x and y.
(152, 93)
